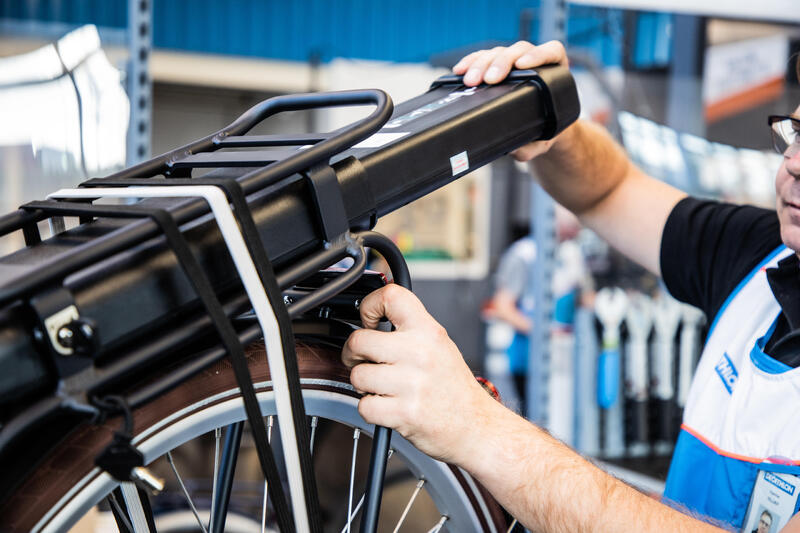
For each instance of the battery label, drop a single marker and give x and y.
(428, 108)
(459, 163)
(379, 139)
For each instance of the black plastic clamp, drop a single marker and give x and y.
(327, 196)
(559, 93)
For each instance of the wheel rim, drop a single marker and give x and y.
(226, 407)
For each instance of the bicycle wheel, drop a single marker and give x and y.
(66, 485)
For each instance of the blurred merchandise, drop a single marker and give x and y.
(699, 166)
(610, 305)
(65, 117)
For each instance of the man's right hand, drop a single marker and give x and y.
(582, 168)
(492, 66)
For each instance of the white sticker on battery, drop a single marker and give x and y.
(459, 163)
(379, 139)
(428, 108)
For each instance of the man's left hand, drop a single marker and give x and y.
(414, 379)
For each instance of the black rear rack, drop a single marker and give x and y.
(300, 207)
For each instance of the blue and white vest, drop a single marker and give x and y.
(743, 410)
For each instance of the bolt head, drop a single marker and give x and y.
(87, 330)
(65, 337)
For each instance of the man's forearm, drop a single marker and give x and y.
(550, 488)
(582, 167)
(504, 308)
(588, 173)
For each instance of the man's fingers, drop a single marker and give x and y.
(380, 410)
(531, 150)
(544, 54)
(504, 61)
(477, 68)
(382, 379)
(395, 303)
(369, 345)
(492, 66)
(462, 66)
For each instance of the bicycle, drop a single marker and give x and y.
(123, 337)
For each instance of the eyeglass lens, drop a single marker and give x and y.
(786, 136)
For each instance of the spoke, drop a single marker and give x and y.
(356, 435)
(439, 525)
(355, 512)
(119, 514)
(414, 494)
(135, 510)
(361, 501)
(314, 422)
(512, 526)
(264, 503)
(217, 437)
(185, 492)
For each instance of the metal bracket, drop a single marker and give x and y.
(70, 339)
(56, 328)
(55, 309)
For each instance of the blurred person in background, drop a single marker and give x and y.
(512, 306)
(509, 317)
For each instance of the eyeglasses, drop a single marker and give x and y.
(785, 134)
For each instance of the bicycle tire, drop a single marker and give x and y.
(65, 484)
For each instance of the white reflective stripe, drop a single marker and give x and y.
(135, 510)
(258, 298)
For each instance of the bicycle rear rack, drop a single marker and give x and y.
(246, 248)
(322, 189)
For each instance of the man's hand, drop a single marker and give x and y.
(414, 379)
(492, 66)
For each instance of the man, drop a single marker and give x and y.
(511, 306)
(742, 418)
(764, 523)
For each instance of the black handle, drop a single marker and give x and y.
(383, 436)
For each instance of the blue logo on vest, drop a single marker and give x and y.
(782, 484)
(727, 372)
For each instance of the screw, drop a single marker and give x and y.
(38, 335)
(65, 337)
(287, 300)
(87, 330)
(357, 304)
(324, 312)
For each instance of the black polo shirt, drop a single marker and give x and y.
(708, 247)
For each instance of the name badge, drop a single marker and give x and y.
(772, 503)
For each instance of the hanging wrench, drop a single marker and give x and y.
(667, 317)
(692, 319)
(610, 305)
(639, 319)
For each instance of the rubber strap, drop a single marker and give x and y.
(227, 333)
(235, 194)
